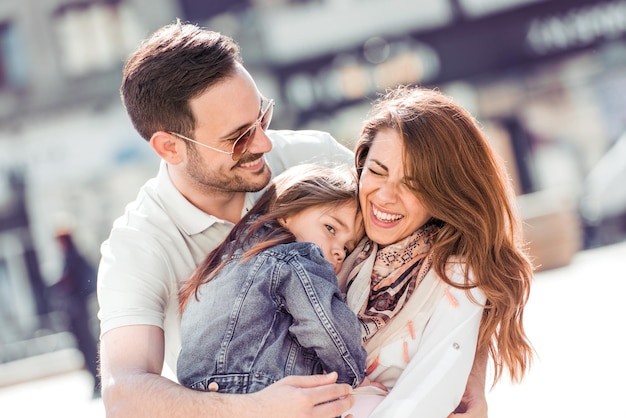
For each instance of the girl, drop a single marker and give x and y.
(265, 303)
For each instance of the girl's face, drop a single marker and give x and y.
(335, 229)
(391, 211)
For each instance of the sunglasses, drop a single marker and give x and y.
(240, 145)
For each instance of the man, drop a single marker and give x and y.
(189, 96)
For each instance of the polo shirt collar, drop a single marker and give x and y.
(187, 217)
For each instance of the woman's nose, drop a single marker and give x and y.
(387, 191)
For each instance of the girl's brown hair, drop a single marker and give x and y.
(453, 170)
(296, 189)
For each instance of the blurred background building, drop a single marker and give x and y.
(547, 80)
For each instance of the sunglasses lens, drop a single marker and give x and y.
(241, 146)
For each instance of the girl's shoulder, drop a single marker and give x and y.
(307, 250)
(304, 256)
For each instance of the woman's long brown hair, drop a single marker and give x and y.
(453, 170)
(296, 189)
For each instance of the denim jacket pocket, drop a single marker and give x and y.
(234, 383)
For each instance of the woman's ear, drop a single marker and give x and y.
(282, 222)
(168, 147)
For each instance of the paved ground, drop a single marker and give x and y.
(575, 319)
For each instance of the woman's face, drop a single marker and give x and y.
(391, 211)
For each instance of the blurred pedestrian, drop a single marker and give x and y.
(72, 295)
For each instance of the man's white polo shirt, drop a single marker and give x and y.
(162, 237)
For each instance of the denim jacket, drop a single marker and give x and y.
(280, 313)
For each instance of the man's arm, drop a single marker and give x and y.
(474, 403)
(132, 386)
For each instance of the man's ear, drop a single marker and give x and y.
(167, 146)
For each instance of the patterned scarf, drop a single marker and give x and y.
(398, 269)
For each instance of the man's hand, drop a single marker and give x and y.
(132, 358)
(473, 405)
(316, 396)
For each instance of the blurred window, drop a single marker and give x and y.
(95, 36)
(12, 65)
(195, 10)
(476, 8)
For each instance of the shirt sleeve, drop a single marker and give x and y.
(291, 148)
(322, 320)
(432, 384)
(132, 281)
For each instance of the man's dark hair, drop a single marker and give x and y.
(177, 63)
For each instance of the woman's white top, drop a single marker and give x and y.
(426, 354)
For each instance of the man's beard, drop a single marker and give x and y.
(198, 170)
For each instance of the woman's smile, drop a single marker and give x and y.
(386, 218)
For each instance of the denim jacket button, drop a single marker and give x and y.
(213, 387)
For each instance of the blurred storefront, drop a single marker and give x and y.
(68, 151)
(545, 78)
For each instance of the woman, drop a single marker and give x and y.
(442, 272)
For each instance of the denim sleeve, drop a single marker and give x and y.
(322, 320)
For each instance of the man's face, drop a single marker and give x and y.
(223, 113)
